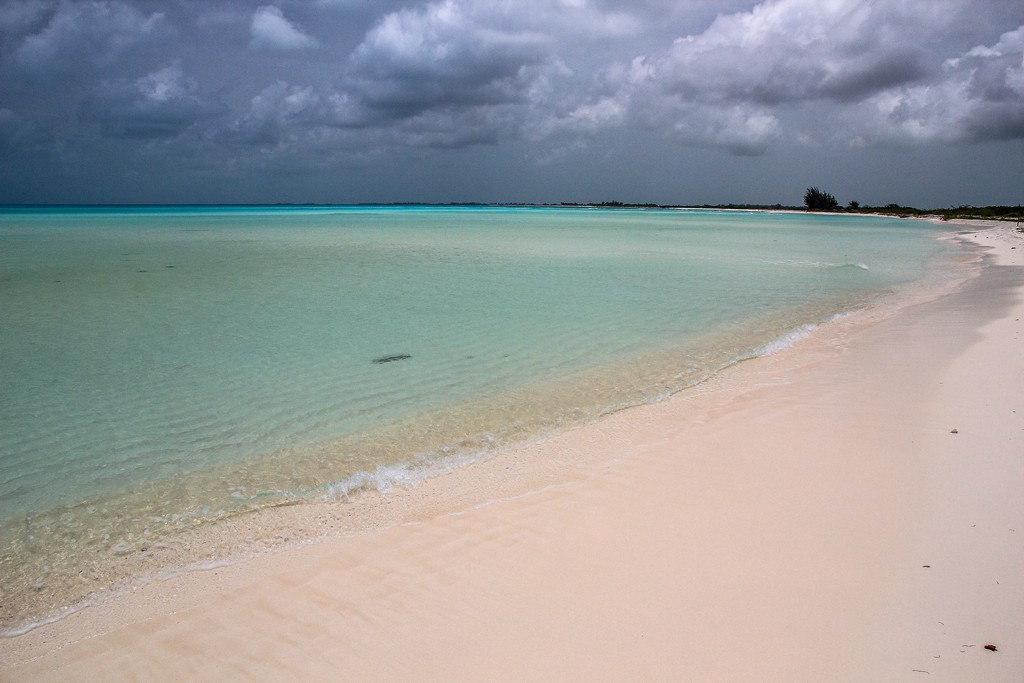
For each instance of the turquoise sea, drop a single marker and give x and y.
(161, 367)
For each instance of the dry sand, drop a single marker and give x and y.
(806, 516)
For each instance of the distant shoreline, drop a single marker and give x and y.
(1006, 213)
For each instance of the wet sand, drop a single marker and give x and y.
(847, 509)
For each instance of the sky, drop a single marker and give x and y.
(915, 102)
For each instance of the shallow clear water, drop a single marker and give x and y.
(167, 365)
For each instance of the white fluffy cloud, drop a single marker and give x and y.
(272, 31)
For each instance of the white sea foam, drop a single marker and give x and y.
(788, 339)
(821, 264)
(784, 341)
(382, 479)
(24, 628)
(423, 465)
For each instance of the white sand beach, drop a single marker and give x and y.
(847, 509)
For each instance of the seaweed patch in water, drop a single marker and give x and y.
(391, 359)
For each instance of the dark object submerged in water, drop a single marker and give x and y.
(391, 359)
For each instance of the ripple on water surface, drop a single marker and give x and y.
(164, 369)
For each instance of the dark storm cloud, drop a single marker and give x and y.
(794, 50)
(735, 84)
(247, 86)
(979, 97)
(724, 86)
(440, 56)
(457, 72)
(12, 127)
(78, 34)
(274, 112)
(158, 105)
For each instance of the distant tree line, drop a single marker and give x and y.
(816, 199)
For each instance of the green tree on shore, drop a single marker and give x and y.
(816, 200)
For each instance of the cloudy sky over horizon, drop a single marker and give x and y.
(672, 101)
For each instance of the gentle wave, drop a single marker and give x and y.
(25, 627)
(427, 464)
(859, 265)
(784, 341)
